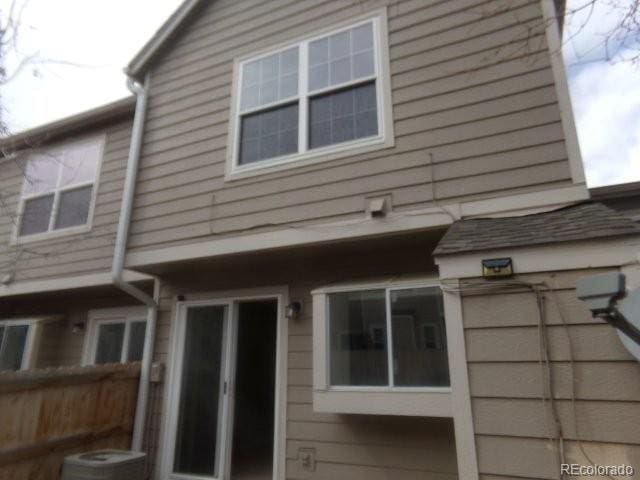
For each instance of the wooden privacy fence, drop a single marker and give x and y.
(46, 415)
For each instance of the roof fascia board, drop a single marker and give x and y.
(81, 121)
(579, 255)
(137, 66)
(67, 283)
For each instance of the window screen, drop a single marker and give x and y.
(269, 134)
(341, 57)
(73, 208)
(342, 116)
(36, 215)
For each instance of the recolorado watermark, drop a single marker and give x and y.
(575, 469)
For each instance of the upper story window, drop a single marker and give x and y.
(59, 189)
(319, 97)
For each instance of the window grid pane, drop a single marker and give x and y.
(270, 79)
(342, 116)
(269, 134)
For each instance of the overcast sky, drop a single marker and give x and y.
(100, 37)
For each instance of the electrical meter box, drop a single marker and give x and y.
(104, 465)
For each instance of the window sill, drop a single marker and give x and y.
(288, 162)
(39, 237)
(416, 402)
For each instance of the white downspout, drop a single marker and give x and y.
(119, 257)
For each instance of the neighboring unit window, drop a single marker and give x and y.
(119, 341)
(58, 188)
(388, 337)
(317, 94)
(13, 345)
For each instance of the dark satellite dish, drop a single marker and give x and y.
(607, 298)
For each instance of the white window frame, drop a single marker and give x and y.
(30, 352)
(17, 239)
(382, 400)
(305, 156)
(108, 316)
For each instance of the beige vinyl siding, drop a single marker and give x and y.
(473, 93)
(70, 254)
(346, 446)
(595, 383)
(59, 345)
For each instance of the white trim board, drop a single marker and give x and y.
(67, 283)
(545, 258)
(460, 391)
(419, 404)
(406, 221)
(554, 41)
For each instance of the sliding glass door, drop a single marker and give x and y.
(199, 419)
(223, 391)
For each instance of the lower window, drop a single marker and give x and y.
(116, 336)
(14, 345)
(387, 337)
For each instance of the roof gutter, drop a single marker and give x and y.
(117, 269)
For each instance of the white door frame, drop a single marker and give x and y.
(172, 390)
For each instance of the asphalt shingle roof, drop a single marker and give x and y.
(578, 222)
